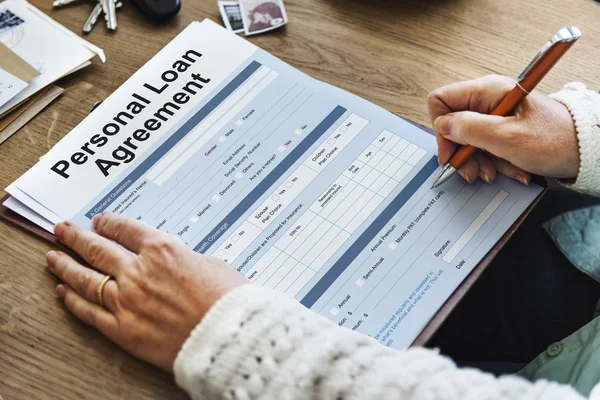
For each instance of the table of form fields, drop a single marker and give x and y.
(337, 213)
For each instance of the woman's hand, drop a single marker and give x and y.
(160, 291)
(540, 138)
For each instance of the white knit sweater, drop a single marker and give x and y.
(258, 344)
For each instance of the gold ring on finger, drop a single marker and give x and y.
(100, 291)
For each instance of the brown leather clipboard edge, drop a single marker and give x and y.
(439, 317)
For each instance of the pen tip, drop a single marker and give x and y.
(445, 173)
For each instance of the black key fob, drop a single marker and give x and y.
(159, 10)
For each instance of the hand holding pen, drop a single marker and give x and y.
(537, 137)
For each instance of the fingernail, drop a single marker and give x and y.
(442, 124)
(524, 180)
(60, 229)
(95, 221)
(486, 178)
(51, 258)
(61, 290)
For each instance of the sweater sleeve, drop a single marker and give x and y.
(584, 106)
(256, 343)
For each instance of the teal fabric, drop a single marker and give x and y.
(573, 361)
(577, 234)
(576, 359)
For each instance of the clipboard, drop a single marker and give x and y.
(446, 309)
(440, 316)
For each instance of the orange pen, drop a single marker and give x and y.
(543, 62)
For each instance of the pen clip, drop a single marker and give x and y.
(567, 34)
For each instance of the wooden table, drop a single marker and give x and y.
(390, 52)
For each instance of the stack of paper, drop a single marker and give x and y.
(15, 74)
(35, 51)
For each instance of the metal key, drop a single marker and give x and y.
(61, 3)
(93, 18)
(110, 13)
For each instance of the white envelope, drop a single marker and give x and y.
(40, 38)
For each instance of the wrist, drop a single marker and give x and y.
(218, 325)
(570, 162)
(584, 107)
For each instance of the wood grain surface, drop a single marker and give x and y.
(389, 52)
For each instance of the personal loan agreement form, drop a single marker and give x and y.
(300, 186)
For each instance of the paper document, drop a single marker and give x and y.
(25, 112)
(15, 65)
(44, 43)
(299, 185)
(10, 86)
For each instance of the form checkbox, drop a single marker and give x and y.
(222, 139)
(275, 197)
(334, 311)
(298, 132)
(289, 184)
(331, 141)
(281, 148)
(239, 175)
(393, 246)
(360, 282)
(239, 122)
(235, 238)
(221, 253)
(216, 197)
(194, 219)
